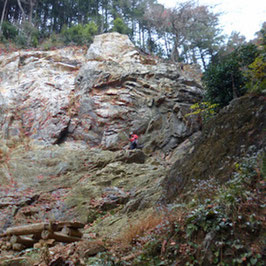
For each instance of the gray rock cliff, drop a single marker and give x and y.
(96, 98)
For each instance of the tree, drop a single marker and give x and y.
(190, 31)
(31, 4)
(3, 14)
(261, 36)
(9, 31)
(235, 40)
(225, 79)
(154, 22)
(180, 20)
(256, 74)
(79, 34)
(205, 39)
(22, 10)
(257, 70)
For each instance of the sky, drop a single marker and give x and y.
(244, 16)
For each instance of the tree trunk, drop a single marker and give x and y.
(26, 229)
(194, 57)
(166, 45)
(26, 241)
(234, 87)
(149, 43)
(46, 234)
(140, 44)
(203, 60)
(39, 227)
(106, 17)
(143, 39)
(3, 15)
(175, 53)
(71, 232)
(31, 11)
(22, 10)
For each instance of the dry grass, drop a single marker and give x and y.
(140, 228)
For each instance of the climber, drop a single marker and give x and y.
(133, 141)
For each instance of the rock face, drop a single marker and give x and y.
(50, 98)
(80, 99)
(65, 182)
(35, 91)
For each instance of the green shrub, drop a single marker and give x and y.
(9, 31)
(26, 35)
(34, 41)
(53, 41)
(120, 26)
(89, 30)
(224, 229)
(79, 34)
(206, 110)
(256, 74)
(21, 40)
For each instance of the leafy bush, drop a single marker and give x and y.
(223, 228)
(256, 74)
(234, 214)
(24, 35)
(21, 40)
(9, 31)
(53, 41)
(206, 110)
(31, 34)
(120, 26)
(79, 34)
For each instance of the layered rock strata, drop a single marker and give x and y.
(96, 99)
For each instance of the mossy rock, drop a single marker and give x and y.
(224, 140)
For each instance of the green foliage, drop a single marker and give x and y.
(34, 41)
(79, 34)
(9, 31)
(53, 41)
(21, 41)
(223, 228)
(151, 253)
(32, 34)
(224, 79)
(246, 54)
(205, 109)
(245, 179)
(256, 74)
(26, 35)
(94, 215)
(120, 26)
(263, 165)
(206, 217)
(34, 254)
